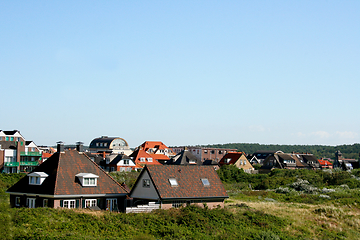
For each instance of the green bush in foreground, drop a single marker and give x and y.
(184, 223)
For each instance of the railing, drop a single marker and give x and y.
(34, 154)
(29, 163)
(11, 164)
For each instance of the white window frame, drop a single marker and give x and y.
(87, 179)
(31, 202)
(46, 202)
(142, 159)
(69, 203)
(90, 203)
(37, 178)
(149, 159)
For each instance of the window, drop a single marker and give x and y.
(37, 178)
(69, 204)
(33, 149)
(149, 159)
(17, 201)
(192, 161)
(87, 179)
(105, 144)
(227, 160)
(30, 202)
(205, 151)
(205, 182)
(45, 202)
(126, 161)
(97, 144)
(112, 169)
(177, 204)
(146, 183)
(7, 139)
(173, 182)
(111, 204)
(241, 162)
(18, 139)
(142, 159)
(12, 139)
(101, 144)
(90, 203)
(244, 162)
(212, 151)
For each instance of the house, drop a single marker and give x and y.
(325, 164)
(68, 179)
(185, 157)
(278, 160)
(142, 158)
(261, 155)
(253, 159)
(109, 145)
(17, 154)
(306, 160)
(205, 153)
(238, 159)
(122, 163)
(178, 185)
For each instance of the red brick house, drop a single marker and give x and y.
(68, 179)
(179, 185)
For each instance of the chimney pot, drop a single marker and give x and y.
(80, 147)
(60, 147)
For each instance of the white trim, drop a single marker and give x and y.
(69, 196)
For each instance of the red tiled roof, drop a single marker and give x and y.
(140, 153)
(159, 156)
(189, 181)
(324, 162)
(62, 168)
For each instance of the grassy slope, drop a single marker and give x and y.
(248, 215)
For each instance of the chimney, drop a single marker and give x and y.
(80, 147)
(60, 147)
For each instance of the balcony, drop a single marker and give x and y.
(31, 154)
(29, 163)
(11, 164)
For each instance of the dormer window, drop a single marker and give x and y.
(142, 159)
(149, 159)
(205, 182)
(37, 178)
(173, 182)
(87, 179)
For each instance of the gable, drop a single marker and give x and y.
(140, 191)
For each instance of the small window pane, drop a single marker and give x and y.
(205, 181)
(173, 182)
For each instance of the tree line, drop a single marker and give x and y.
(320, 151)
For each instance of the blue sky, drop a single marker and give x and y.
(182, 72)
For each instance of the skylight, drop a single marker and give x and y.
(173, 182)
(205, 182)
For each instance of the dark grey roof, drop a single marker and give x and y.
(10, 132)
(210, 162)
(184, 158)
(118, 158)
